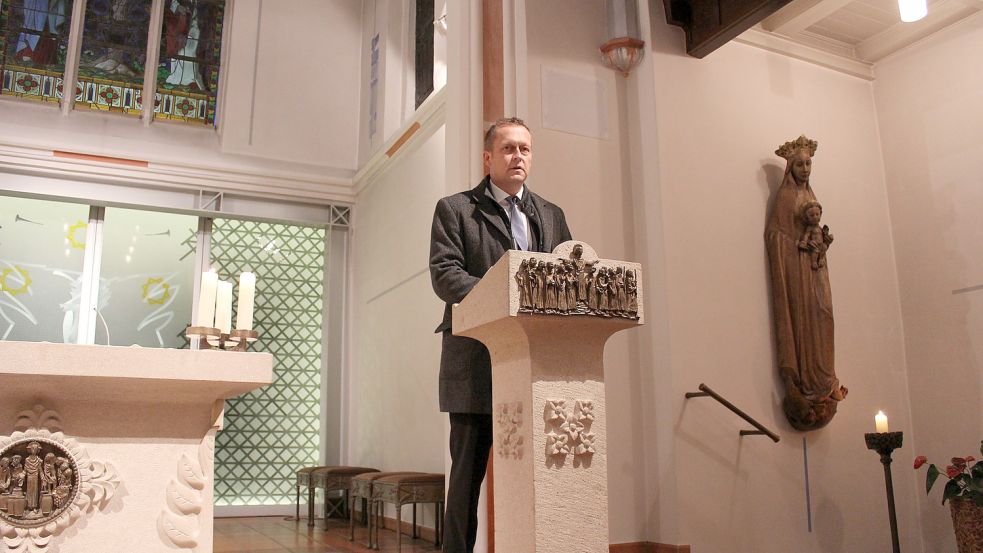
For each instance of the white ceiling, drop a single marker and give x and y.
(851, 35)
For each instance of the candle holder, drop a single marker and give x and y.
(240, 339)
(208, 337)
(885, 443)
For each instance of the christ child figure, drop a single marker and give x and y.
(815, 239)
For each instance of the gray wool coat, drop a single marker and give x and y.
(469, 234)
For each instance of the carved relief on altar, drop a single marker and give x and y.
(568, 431)
(47, 482)
(575, 285)
(508, 423)
(38, 481)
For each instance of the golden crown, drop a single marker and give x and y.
(788, 149)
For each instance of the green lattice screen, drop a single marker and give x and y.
(272, 432)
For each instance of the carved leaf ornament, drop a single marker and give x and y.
(179, 521)
(32, 515)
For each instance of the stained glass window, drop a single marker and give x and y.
(424, 50)
(190, 51)
(114, 52)
(33, 42)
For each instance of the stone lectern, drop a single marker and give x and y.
(545, 319)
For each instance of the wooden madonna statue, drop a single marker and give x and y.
(801, 297)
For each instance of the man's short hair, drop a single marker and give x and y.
(503, 122)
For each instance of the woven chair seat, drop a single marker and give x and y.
(361, 488)
(410, 488)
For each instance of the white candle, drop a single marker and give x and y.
(880, 422)
(247, 296)
(223, 307)
(206, 299)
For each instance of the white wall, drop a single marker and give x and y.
(293, 85)
(394, 422)
(930, 106)
(585, 175)
(718, 122)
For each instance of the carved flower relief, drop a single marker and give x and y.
(572, 427)
(556, 444)
(556, 410)
(569, 431)
(586, 445)
(585, 410)
(509, 421)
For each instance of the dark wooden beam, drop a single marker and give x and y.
(709, 24)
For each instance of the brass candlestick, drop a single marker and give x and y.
(213, 338)
(240, 339)
(885, 443)
(205, 335)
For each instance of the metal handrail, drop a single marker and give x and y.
(705, 391)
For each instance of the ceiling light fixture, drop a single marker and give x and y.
(912, 10)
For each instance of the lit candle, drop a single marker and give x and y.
(247, 296)
(223, 307)
(880, 422)
(206, 299)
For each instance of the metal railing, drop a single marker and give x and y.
(705, 391)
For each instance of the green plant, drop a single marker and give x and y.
(965, 481)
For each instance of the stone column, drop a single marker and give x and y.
(549, 406)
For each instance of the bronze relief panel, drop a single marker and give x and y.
(39, 479)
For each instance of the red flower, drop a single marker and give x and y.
(970, 458)
(920, 460)
(959, 463)
(952, 472)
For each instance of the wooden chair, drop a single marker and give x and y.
(304, 481)
(332, 479)
(362, 489)
(406, 489)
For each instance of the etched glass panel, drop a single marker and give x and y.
(33, 42)
(190, 52)
(272, 432)
(42, 246)
(146, 279)
(114, 52)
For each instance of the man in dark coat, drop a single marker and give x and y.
(471, 231)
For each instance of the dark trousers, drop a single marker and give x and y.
(470, 441)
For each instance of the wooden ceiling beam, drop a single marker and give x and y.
(799, 15)
(709, 24)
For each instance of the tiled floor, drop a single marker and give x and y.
(274, 534)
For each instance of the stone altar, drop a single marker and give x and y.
(131, 434)
(548, 400)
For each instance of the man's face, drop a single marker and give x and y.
(510, 158)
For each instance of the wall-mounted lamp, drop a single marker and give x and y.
(623, 50)
(912, 10)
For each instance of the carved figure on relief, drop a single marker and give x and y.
(32, 471)
(576, 286)
(801, 295)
